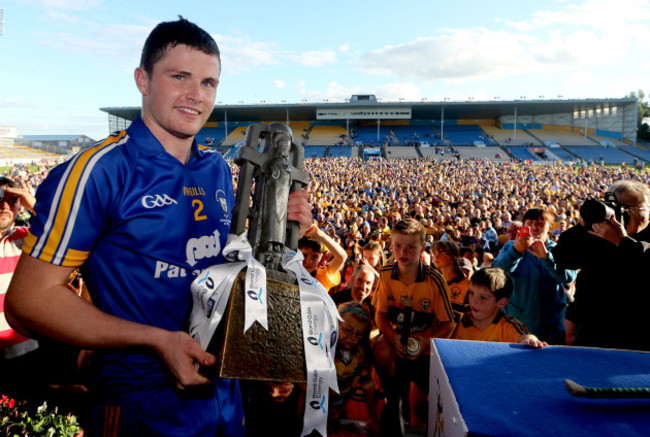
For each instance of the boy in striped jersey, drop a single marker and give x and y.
(412, 306)
(489, 290)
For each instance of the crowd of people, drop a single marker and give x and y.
(409, 249)
(471, 213)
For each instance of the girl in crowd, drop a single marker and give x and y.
(445, 256)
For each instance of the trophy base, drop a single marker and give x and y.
(274, 355)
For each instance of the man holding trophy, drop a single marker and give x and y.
(142, 213)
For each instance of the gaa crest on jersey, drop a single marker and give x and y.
(425, 304)
(221, 198)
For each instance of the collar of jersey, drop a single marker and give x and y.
(148, 144)
(467, 322)
(420, 277)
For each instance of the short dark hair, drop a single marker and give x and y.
(5, 181)
(169, 34)
(539, 213)
(309, 243)
(496, 280)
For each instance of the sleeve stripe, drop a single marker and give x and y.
(65, 205)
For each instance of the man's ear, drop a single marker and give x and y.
(502, 302)
(142, 80)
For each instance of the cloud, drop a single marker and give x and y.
(240, 54)
(314, 58)
(344, 47)
(394, 91)
(113, 45)
(68, 5)
(574, 38)
(280, 84)
(606, 15)
(4, 104)
(454, 55)
(335, 92)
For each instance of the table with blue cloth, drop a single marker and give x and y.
(501, 389)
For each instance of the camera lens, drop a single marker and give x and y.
(595, 211)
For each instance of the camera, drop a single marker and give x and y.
(597, 211)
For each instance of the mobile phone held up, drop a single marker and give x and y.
(523, 231)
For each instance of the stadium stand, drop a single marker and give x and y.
(562, 137)
(637, 151)
(216, 134)
(236, 135)
(522, 153)
(368, 135)
(506, 137)
(604, 141)
(326, 135)
(465, 135)
(430, 152)
(610, 155)
(564, 154)
(482, 153)
(15, 153)
(402, 152)
(416, 134)
(341, 151)
(315, 151)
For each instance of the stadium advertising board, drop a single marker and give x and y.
(363, 113)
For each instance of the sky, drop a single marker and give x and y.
(63, 60)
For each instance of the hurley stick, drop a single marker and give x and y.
(606, 392)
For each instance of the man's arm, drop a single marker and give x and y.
(338, 253)
(26, 199)
(38, 302)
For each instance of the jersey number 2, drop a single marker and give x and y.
(198, 205)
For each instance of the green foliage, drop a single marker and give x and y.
(16, 421)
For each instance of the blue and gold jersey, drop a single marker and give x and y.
(139, 223)
(504, 328)
(428, 297)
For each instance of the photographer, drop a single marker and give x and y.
(611, 297)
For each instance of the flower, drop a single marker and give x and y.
(16, 420)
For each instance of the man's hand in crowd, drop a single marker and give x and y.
(612, 231)
(26, 199)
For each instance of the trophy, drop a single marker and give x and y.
(270, 163)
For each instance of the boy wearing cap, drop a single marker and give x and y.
(489, 290)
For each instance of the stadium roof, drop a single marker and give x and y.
(421, 110)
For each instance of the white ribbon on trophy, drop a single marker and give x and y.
(319, 315)
(320, 334)
(211, 291)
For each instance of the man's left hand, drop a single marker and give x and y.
(299, 210)
(612, 231)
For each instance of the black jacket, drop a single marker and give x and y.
(612, 290)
